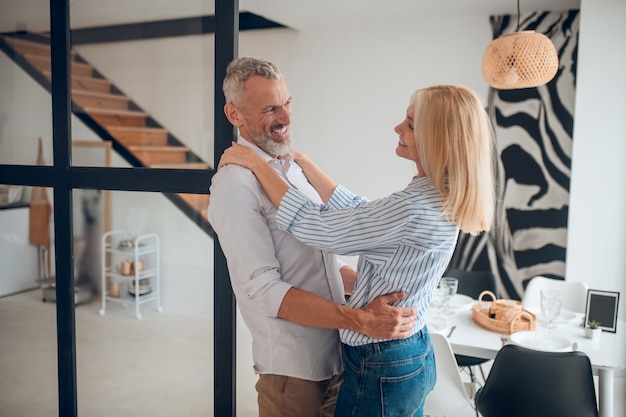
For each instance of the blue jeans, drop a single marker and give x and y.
(388, 379)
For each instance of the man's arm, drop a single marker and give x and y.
(378, 319)
(236, 215)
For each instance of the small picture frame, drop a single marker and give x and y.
(602, 307)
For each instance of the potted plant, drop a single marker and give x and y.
(593, 331)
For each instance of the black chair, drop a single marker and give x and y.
(524, 382)
(472, 283)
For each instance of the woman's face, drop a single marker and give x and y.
(406, 144)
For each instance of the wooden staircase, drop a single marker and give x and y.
(113, 116)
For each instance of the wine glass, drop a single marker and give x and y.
(451, 285)
(439, 296)
(550, 306)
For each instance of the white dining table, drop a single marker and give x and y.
(607, 354)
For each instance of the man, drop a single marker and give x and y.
(289, 294)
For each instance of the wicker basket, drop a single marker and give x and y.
(502, 316)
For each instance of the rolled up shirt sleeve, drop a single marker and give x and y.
(236, 214)
(341, 198)
(347, 225)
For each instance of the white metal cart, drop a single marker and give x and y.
(132, 267)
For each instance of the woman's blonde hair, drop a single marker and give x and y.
(455, 145)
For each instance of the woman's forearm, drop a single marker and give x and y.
(323, 184)
(275, 187)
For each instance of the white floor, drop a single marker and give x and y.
(161, 365)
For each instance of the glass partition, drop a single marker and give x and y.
(28, 341)
(25, 103)
(144, 329)
(144, 100)
(28, 348)
(145, 82)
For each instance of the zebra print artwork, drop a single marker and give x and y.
(533, 130)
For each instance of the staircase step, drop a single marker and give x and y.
(100, 85)
(130, 136)
(92, 84)
(196, 199)
(85, 98)
(200, 202)
(160, 154)
(33, 48)
(43, 64)
(114, 117)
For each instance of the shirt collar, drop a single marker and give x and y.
(420, 183)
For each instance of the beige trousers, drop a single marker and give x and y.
(283, 396)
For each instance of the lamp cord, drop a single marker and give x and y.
(518, 13)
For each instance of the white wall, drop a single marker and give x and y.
(351, 86)
(596, 244)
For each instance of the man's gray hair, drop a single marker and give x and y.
(240, 70)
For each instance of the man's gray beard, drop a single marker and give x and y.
(268, 145)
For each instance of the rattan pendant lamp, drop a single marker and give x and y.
(520, 60)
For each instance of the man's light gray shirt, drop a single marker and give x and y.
(265, 262)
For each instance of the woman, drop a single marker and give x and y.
(404, 241)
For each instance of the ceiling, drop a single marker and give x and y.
(34, 14)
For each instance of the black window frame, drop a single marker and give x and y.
(63, 178)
